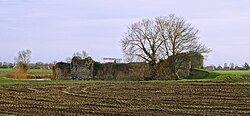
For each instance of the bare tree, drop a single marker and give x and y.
(161, 38)
(82, 55)
(143, 42)
(23, 59)
(178, 37)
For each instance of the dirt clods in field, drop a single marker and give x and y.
(125, 99)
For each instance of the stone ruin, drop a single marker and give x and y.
(88, 69)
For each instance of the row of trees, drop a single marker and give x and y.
(23, 60)
(37, 65)
(153, 40)
(6, 65)
(232, 66)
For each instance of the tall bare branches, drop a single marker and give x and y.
(153, 40)
(23, 57)
(179, 36)
(142, 41)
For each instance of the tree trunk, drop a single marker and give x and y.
(152, 74)
(177, 77)
(173, 66)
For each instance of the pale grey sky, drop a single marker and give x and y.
(55, 29)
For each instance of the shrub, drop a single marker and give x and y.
(18, 73)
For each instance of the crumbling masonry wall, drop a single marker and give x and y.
(62, 71)
(88, 69)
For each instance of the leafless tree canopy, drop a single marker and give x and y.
(178, 36)
(82, 55)
(160, 38)
(142, 41)
(23, 57)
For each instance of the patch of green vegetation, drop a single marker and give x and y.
(5, 71)
(224, 76)
(233, 72)
(198, 73)
(39, 71)
(234, 75)
(234, 78)
(202, 74)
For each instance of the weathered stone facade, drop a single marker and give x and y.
(82, 69)
(122, 71)
(88, 69)
(62, 71)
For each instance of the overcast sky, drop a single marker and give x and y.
(55, 29)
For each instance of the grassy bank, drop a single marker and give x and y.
(227, 76)
(5, 71)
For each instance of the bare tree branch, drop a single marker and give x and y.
(161, 38)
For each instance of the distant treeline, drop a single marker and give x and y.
(230, 66)
(37, 65)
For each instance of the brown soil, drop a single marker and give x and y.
(137, 99)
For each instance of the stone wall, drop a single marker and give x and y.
(113, 71)
(88, 69)
(82, 69)
(62, 71)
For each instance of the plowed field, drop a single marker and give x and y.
(126, 98)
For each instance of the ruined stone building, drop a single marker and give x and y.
(88, 69)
